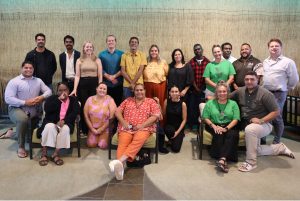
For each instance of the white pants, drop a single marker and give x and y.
(253, 134)
(51, 137)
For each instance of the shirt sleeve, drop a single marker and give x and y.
(11, 95)
(46, 91)
(231, 69)
(123, 60)
(207, 71)
(292, 74)
(155, 110)
(206, 110)
(236, 111)
(143, 59)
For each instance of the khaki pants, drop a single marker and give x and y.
(253, 134)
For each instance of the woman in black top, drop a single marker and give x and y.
(175, 113)
(180, 74)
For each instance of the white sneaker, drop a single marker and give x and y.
(286, 151)
(112, 165)
(119, 170)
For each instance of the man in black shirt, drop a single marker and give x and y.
(43, 60)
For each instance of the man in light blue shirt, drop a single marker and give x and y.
(22, 95)
(112, 75)
(280, 75)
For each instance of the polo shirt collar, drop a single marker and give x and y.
(23, 78)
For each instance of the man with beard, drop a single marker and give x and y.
(67, 61)
(43, 60)
(244, 64)
(196, 92)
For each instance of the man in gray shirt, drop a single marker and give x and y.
(280, 75)
(22, 94)
(258, 107)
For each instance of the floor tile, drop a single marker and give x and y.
(151, 192)
(131, 176)
(96, 194)
(124, 192)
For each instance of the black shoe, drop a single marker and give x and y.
(163, 150)
(263, 141)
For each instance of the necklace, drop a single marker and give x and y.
(222, 114)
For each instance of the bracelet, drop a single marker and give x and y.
(226, 128)
(210, 125)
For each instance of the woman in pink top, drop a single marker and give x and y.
(98, 110)
(60, 114)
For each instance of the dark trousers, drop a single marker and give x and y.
(86, 88)
(193, 101)
(225, 145)
(175, 142)
(116, 93)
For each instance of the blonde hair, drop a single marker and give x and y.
(221, 83)
(158, 57)
(83, 55)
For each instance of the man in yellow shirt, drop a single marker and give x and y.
(132, 67)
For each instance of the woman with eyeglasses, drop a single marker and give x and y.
(221, 116)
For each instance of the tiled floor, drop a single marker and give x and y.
(135, 186)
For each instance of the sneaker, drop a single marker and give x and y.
(119, 170)
(286, 151)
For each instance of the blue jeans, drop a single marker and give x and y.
(193, 101)
(278, 124)
(127, 92)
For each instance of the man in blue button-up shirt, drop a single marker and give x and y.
(22, 94)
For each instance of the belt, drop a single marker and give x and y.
(70, 79)
(277, 91)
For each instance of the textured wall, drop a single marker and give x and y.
(168, 23)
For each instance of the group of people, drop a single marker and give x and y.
(145, 92)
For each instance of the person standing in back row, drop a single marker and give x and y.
(43, 60)
(67, 61)
(132, 67)
(280, 75)
(112, 76)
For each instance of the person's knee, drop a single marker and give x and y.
(91, 144)
(50, 126)
(65, 129)
(250, 130)
(102, 144)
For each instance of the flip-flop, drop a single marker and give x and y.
(7, 134)
(22, 154)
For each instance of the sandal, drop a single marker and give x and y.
(22, 153)
(246, 167)
(287, 152)
(57, 160)
(223, 166)
(43, 161)
(7, 134)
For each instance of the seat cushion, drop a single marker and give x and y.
(37, 140)
(207, 138)
(150, 142)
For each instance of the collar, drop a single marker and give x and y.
(66, 52)
(278, 58)
(25, 78)
(110, 52)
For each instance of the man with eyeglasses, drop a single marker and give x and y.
(67, 61)
(196, 92)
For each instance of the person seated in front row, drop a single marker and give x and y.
(137, 118)
(175, 113)
(60, 114)
(258, 109)
(22, 95)
(221, 116)
(98, 110)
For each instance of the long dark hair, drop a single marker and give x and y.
(172, 64)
